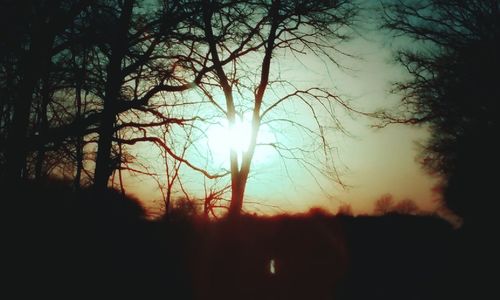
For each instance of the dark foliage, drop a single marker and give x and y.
(453, 62)
(59, 242)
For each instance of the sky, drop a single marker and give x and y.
(372, 162)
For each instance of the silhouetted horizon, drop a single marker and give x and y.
(269, 149)
(106, 244)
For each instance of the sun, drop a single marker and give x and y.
(222, 138)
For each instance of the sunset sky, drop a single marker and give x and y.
(371, 162)
(288, 149)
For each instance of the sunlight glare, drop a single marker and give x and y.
(221, 139)
(239, 134)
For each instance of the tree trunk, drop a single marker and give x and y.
(34, 66)
(79, 139)
(239, 172)
(42, 127)
(114, 80)
(237, 195)
(16, 142)
(40, 156)
(103, 169)
(239, 184)
(79, 162)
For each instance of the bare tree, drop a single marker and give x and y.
(215, 198)
(406, 207)
(345, 210)
(254, 33)
(106, 73)
(37, 45)
(384, 205)
(149, 54)
(104, 62)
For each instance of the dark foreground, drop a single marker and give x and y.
(61, 244)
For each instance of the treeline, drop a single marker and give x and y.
(74, 244)
(71, 69)
(82, 81)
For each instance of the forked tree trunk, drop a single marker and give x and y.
(239, 172)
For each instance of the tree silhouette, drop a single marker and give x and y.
(84, 81)
(105, 64)
(345, 210)
(32, 42)
(136, 70)
(406, 207)
(150, 54)
(453, 66)
(255, 33)
(384, 205)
